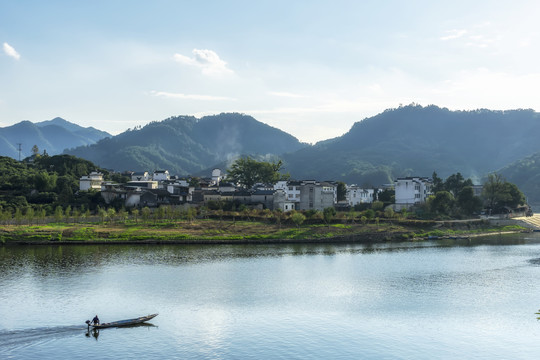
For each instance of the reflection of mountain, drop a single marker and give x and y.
(52, 136)
(185, 145)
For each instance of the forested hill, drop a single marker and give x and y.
(525, 173)
(186, 145)
(416, 140)
(52, 136)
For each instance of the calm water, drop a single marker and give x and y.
(391, 301)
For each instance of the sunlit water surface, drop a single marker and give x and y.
(433, 300)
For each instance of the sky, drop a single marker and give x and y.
(311, 68)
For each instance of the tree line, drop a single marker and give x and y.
(44, 186)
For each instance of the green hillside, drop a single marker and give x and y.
(416, 140)
(186, 145)
(525, 173)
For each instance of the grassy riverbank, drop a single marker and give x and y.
(227, 231)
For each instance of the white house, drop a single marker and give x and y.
(92, 181)
(216, 176)
(410, 191)
(142, 184)
(161, 175)
(357, 195)
(291, 188)
(140, 176)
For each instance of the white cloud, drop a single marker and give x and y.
(286, 94)
(479, 36)
(190, 96)
(454, 34)
(483, 88)
(480, 41)
(10, 51)
(207, 60)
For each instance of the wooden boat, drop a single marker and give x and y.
(120, 323)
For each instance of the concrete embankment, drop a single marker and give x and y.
(531, 222)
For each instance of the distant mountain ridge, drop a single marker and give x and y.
(405, 141)
(525, 173)
(53, 136)
(416, 140)
(186, 145)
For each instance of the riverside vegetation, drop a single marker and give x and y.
(40, 203)
(169, 225)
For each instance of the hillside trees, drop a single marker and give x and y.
(247, 172)
(499, 193)
(468, 202)
(45, 183)
(453, 196)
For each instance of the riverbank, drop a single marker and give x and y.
(212, 231)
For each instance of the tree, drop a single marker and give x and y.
(111, 213)
(438, 184)
(498, 193)
(18, 216)
(30, 215)
(247, 172)
(194, 181)
(328, 214)
(467, 202)
(389, 212)
(122, 214)
(298, 218)
(44, 182)
(278, 215)
(76, 215)
(145, 213)
(102, 214)
(341, 191)
(35, 150)
(58, 213)
(387, 196)
(455, 182)
(441, 203)
(377, 205)
(369, 214)
(67, 213)
(135, 213)
(191, 214)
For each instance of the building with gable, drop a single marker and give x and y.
(410, 191)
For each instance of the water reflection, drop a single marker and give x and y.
(66, 260)
(434, 299)
(93, 332)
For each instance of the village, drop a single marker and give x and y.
(160, 188)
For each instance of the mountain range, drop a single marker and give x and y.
(416, 140)
(404, 141)
(52, 136)
(188, 145)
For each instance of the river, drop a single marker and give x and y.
(455, 299)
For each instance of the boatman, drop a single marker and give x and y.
(95, 320)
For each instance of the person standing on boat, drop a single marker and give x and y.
(95, 320)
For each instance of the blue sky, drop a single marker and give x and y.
(311, 68)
